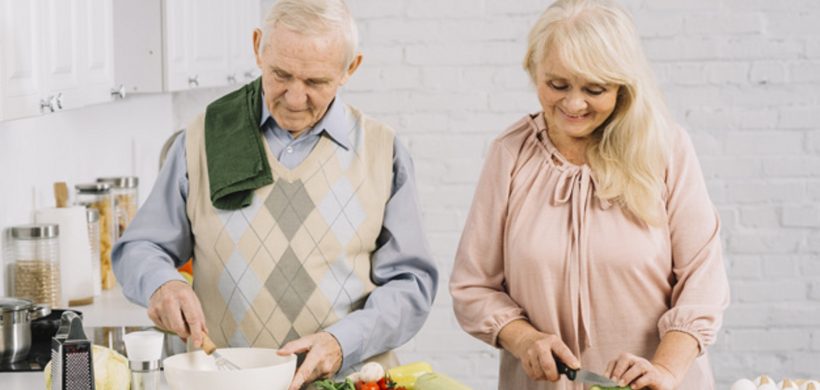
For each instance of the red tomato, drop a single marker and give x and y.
(370, 386)
(382, 384)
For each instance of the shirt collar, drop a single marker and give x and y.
(334, 123)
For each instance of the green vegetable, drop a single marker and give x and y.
(596, 387)
(436, 381)
(328, 384)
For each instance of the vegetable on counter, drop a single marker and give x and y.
(436, 381)
(407, 374)
(596, 387)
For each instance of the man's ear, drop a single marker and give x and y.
(354, 65)
(257, 46)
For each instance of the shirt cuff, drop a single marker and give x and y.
(154, 280)
(351, 340)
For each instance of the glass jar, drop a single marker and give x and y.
(125, 191)
(36, 266)
(98, 196)
(93, 217)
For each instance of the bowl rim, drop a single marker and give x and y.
(288, 359)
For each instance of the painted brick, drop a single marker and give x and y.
(745, 267)
(727, 73)
(802, 216)
(765, 143)
(453, 9)
(800, 117)
(381, 55)
(808, 166)
(755, 48)
(814, 141)
(758, 119)
(792, 24)
(687, 73)
(771, 340)
(440, 54)
(397, 30)
(810, 265)
(813, 48)
(712, 23)
(767, 216)
(371, 9)
(680, 48)
(768, 72)
(805, 71)
(653, 25)
(766, 191)
(400, 77)
(774, 242)
(772, 315)
(769, 291)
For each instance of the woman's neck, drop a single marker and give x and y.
(573, 149)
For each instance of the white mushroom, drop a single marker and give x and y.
(371, 372)
(810, 385)
(787, 384)
(764, 379)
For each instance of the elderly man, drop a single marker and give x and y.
(299, 211)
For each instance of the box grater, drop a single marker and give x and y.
(72, 366)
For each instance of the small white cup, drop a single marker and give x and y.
(144, 346)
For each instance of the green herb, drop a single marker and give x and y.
(328, 384)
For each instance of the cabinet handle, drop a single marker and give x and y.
(193, 81)
(57, 101)
(118, 93)
(46, 104)
(232, 79)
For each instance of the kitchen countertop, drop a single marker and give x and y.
(112, 309)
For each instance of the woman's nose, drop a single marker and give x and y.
(575, 103)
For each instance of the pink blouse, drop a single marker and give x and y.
(539, 244)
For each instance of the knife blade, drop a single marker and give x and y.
(583, 375)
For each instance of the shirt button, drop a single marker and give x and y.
(290, 149)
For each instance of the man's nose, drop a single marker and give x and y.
(296, 96)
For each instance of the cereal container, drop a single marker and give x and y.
(35, 269)
(93, 218)
(126, 200)
(98, 196)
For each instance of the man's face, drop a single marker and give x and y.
(301, 74)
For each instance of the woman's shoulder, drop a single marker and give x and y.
(520, 135)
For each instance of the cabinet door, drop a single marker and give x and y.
(21, 82)
(177, 58)
(62, 51)
(208, 42)
(97, 51)
(244, 17)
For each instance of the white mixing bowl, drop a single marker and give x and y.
(261, 369)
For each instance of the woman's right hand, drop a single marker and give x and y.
(536, 350)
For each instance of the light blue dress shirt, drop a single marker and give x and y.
(159, 240)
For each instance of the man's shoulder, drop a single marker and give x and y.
(368, 123)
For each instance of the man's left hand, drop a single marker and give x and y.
(640, 373)
(323, 359)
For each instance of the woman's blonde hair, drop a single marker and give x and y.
(597, 40)
(313, 17)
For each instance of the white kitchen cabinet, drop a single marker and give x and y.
(56, 55)
(199, 45)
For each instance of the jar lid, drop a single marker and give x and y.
(93, 188)
(14, 304)
(92, 214)
(31, 232)
(120, 182)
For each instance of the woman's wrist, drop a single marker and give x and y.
(512, 335)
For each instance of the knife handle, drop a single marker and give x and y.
(564, 369)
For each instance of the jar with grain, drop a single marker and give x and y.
(36, 266)
(93, 218)
(125, 191)
(98, 196)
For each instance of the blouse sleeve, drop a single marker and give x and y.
(480, 301)
(701, 290)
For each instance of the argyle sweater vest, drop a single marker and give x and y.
(298, 258)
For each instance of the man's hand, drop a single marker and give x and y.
(175, 307)
(324, 357)
(640, 373)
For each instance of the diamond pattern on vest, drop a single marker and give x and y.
(297, 259)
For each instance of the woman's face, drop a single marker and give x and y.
(573, 107)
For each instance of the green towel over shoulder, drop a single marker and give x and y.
(237, 163)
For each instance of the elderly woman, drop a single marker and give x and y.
(591, 236)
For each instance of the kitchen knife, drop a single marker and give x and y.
(583, 375)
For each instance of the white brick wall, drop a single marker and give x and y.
(743, 76)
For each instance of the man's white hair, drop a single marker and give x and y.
(314, 17)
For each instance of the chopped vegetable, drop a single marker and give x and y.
(407, 374)
(436, 381)
(328, 384)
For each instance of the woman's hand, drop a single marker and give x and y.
(640, 373)
(535, 350)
